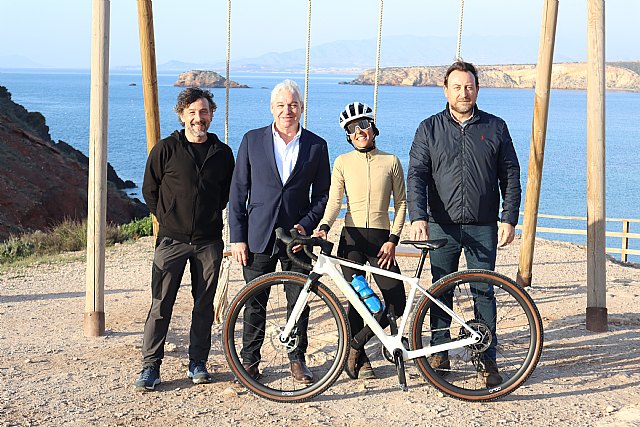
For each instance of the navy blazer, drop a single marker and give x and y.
(259, 202)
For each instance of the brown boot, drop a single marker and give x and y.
(252, 370)
(440, 364)
(353, 368)
(490, 375)
(300, 373)
(366, 371)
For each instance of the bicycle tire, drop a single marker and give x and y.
(328, 339)
(519, 333)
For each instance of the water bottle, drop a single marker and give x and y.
(366, 294)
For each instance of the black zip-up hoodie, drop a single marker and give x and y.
(187, 200)
(462, 171)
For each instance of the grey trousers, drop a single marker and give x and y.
(169, 262)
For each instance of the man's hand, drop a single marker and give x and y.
(506, 233)
(387, 255)
(321, 234)
(300, 229)
(240, 252)
(419, 230)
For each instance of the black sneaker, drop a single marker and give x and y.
(198, 372)
(149, 378)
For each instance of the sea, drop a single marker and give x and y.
(62, 96)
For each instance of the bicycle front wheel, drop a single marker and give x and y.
(512, 335)
(325, 343)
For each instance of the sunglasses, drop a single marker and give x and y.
(362, 124)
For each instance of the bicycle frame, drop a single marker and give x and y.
(328, 266)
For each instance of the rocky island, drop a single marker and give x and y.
(204, 78)
(619, 76)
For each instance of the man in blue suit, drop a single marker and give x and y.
(281, 179)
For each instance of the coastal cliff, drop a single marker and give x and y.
(619, 76)
(43, 182)
(204, 78)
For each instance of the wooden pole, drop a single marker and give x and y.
(538, 139)
(94, 324)
(596, 315)
(149, 78)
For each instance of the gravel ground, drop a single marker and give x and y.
(51, 375)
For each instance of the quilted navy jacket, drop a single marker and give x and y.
(457, 174)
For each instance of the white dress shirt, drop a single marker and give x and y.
(286, 154)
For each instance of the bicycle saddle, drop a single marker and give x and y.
(426, 244)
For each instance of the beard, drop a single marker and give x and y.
(196, 132)
(461, 108)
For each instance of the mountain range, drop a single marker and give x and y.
(357, 55)
(396, 51)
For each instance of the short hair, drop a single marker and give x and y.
(288, 85)
(190, 95)
(461, 66)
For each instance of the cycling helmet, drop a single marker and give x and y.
(355, 111)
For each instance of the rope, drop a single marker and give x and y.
(375, 82)
(306, 68)
(227, 82)
(368, 275)
(458, 58)
(220, 301)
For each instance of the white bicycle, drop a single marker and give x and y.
(517, 328)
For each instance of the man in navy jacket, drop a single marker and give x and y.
(461, 161)
(281, 179)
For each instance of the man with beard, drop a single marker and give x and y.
(461, 161)
(186, 186)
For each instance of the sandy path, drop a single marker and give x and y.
(50, 374)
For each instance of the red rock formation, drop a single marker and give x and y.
(39, 185)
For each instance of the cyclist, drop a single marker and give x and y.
(368, 177)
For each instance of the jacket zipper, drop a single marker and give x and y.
(195, 201)
(462, 169)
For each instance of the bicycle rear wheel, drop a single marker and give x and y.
(327, 337)
(518, 335)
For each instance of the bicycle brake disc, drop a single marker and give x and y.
(481, 328)
(287, 346)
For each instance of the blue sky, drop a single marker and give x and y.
(57, 33)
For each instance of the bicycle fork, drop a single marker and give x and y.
(290, 327)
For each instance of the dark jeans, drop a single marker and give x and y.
(479, 242)
(362, 245)
(255, 308)
(169, 262)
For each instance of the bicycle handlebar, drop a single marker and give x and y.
(307, 242)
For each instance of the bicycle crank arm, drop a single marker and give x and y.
(399, 361)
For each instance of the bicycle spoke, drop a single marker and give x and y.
(512, 337)
(324, 346)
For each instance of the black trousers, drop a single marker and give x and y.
(169, 262)
(362, 245)
(255, 308)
